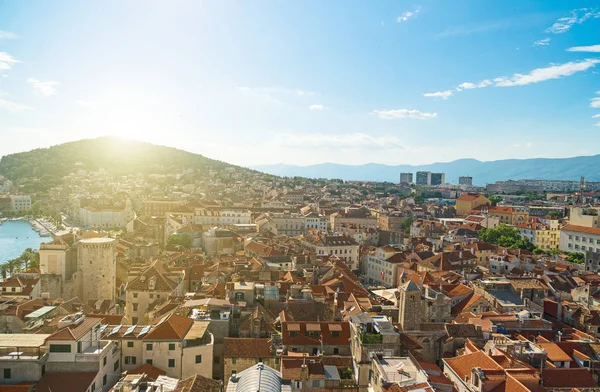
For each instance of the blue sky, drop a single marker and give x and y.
(304, 82)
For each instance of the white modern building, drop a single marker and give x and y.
(20, 202)
(579, 239)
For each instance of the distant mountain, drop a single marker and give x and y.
(43, 168)
(482, 172)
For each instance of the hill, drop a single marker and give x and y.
(43, 168)
(482, 172)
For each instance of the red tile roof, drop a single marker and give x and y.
(66, 381)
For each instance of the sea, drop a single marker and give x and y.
(15, 237)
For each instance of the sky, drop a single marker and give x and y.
(306, 82)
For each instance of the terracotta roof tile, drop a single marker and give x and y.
(247, 347)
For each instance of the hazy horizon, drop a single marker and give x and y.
(306, 83)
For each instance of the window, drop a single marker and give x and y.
(130, 360)
(171, 346)
(216, 359)
(135, 295)
(104, 378)
(135, 307)
(93, 387)
(198, 358)
(60, 348)
(171, 363)
(116, 365)
(293, 334)
(149, 346)
(78, 347)
(336, 351)
(104, 361)
(277, 361)
(6, 373)
(130, 344)
(149, 361)
(134, 320)
(239, 296)
(233, 360)
(151, 295)
(297, 384)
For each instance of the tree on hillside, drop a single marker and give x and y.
(405, 224)
(495, 199)
(184, 240)
(506, 236)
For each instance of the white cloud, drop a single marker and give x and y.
(8, 35)
(13, 106)
(407, 15)
(85, 104)
(577, 16)
(43, 88)
(7, 61)
(316, 107)
(591, 48)
(548, 73)
(596, 116)
(469, 85)
(439, 94)
(597, 124)
(595, 103)
(347, 141)
(542, 42)
(404, 113)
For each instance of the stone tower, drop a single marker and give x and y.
(95, 278)
(410, 307)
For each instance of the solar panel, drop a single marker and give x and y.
(103, 328)
(162, 320)
(129, 330)
(144, 330)
(115, 330)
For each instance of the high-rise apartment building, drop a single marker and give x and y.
(423, 178)
(406, 178)
(438, 179)
(465, 180)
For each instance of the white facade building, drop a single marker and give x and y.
(20, 202)
(579, 239)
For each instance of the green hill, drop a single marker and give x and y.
(43, 168)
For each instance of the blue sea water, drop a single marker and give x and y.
(15, 237)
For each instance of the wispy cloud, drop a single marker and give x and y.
(596, 116)
(595, 103)
(404, 113)
(13, 107)
(8, 35)
(591, 48)
(537, 75)
(597, 124)
(408, 15)
(547, 73)
(316, 107)
(542, 42)
(439, 94)
(576, 16)
(85, 104)
(470, 85)
(43, 88)
(344, 141)
(7, 61)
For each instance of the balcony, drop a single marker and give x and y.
(94, 352)
(22, 354)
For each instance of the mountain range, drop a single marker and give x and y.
(482, 172)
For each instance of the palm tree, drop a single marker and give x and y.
(27, 257)
(13, 265)
(3, 270)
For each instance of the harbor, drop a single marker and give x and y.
(15, 237)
